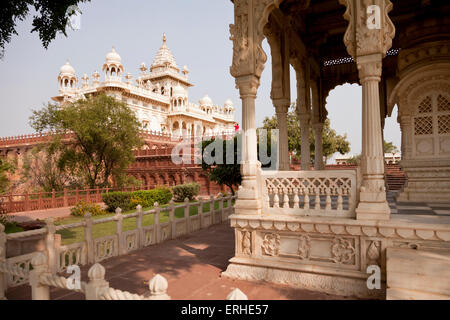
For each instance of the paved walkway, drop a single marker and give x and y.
(192, 266)
(27, 216)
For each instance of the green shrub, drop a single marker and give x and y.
(118, 199)
(147, 198)
(129, 200)
(80, 209)
(188, 190)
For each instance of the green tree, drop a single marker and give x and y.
(103, 133)
(389, 147)
(222, 173)
(331, 141)
(40, 170)
(51, 17)
(5, 169)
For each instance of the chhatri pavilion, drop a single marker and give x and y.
(332, 230)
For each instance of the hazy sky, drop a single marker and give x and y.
(198, 36)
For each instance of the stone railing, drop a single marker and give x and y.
(15, 271)
(41, 279)
(18, 202)
(331, 193)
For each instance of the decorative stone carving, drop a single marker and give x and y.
(271, 244)
(240, 38)
(304, 247)
(358, 38)
(342, 250)
(373, 253)
(246, 242)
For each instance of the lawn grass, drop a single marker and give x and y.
(75, 235)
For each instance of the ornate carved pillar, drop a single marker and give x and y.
(318, 146)
(281, 88)
(317, 125)
(282, 107)
(305, 161)
(249, 58)
(303, 108)
(406, 129)
(249, 198)
(368, 37)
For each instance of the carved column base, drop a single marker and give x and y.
(248, 196)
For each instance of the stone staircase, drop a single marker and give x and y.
(395, 177)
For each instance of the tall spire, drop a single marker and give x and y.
(164, 57)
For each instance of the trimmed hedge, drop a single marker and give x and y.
(188, 190)
(117, 199)
(129, 200)
(80, 209)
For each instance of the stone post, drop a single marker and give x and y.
(2, 260)
(97, 284)
(236, 294)
(318, 146)
(211, 209)
(282, 107)
(187, 215)
(158, 288)
(222, 212)
(249, 197)
(89, 238)
(40, 266)
(141, 234)
(200, 213)
(52, 251)
(173, 224)
(118, 217)
(156, 223)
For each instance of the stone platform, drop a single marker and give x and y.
(192, 266)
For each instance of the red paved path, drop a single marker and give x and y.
(192, 266)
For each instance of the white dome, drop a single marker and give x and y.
(113, 57)
(206, 101)
(185, 69)
(67, 69)
(178, 91)
(228, 104)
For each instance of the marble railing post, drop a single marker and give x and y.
(282, 107)
(88, 238)
(118, 217)
(139, 219)
(373, 204)
(318, 146)
(97, 283)
(39, 291)
(51, 246)
(305, 156)
(249, 198)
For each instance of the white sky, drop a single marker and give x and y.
(198, 35)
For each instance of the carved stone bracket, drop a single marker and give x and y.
(370, 30)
